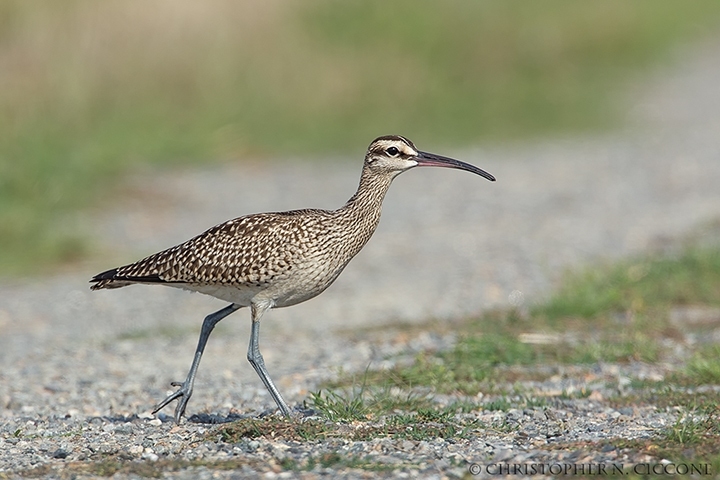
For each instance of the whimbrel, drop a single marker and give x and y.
(275, 259)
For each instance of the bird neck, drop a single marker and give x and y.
(359, 217)
(367, 200)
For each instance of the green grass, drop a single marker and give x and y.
(490, 348)
(614, 313)
(89, 92)
(703, 367)
(425, 424)
(361, 414)
(690, 430)
(644, 286)
(694, 438)
(668, 395)
(363, 403)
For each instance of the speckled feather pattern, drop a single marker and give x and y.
(282, 258)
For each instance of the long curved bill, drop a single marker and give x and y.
(425, 159)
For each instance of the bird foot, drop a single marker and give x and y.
(183, 395)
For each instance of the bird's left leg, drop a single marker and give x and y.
(185, 391)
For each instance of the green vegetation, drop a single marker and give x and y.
(667, 394)
(690, 430)
(493, 346)
(626, 304)
(704, 366)
(356, 404)
(423, 424)
(650, 285)
(91, 91)
(693, 438)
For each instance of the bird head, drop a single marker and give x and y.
(393, 154)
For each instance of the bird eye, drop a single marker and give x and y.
(392, 151)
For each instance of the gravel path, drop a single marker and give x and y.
(81, 369)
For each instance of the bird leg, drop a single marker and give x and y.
(256, 360)
(186, 388)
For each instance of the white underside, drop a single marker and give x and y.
(279, 294)
(243, 297)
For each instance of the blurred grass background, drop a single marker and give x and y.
(91, 90)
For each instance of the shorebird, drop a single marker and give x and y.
(278, 259)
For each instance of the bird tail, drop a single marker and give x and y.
(118, 277)
(107, 279)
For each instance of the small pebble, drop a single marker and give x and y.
(60, 453)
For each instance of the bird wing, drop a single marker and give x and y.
(247, 250)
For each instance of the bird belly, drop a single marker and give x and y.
(298, 288)
(282, 291)
(239, 295)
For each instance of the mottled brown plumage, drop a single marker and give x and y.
(276, 259)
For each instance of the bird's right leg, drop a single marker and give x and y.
(186, 388)
(256, 359)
